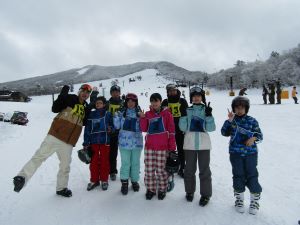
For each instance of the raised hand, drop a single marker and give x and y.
(208, 109)
(142, 114)
(231, 115)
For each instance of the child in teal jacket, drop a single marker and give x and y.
(197, 122)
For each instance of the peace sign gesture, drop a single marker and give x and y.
(142, 114)
(231, 115)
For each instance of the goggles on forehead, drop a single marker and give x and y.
(86, 87)
(196, 90)
(131, 96)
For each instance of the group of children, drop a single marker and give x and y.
(170, 125)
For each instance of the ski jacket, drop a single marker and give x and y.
(196, 125)
(177, 107)
(72, 114)
(240, 130)
(96, 129)
(294, 93)
(160, 130)
(130, 134)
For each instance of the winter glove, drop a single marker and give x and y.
(208, 110)
(65, 90)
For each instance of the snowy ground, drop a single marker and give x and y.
(37, 203)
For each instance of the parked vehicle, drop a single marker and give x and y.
(19, 118)
(14, 96)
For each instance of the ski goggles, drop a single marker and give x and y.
(131, 96)
(86, 87)
(196, 90)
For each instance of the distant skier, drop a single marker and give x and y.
(63, 135)
(272, 93)
(265, 93)
(243, 92)
(178, 107)
(294, 95)
(244, 133)
(278, 91)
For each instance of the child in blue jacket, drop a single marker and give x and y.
(130, 142)
(96, 135)
(244, 135)
(196, 124)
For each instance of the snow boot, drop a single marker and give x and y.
(104, 185)
(239, 201)
(254, 203)
(19, 182)
(92, 185)
(149, 195)
(124, 187)
(135, 186)
(189, 197)
(161, 195)
(203, 201)
(64, 192)
(113, 176)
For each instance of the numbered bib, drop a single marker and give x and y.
(175, 109)
(78, 110)
(113, 108)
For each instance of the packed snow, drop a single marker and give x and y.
(38, 204)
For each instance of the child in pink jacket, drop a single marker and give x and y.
(160, 139)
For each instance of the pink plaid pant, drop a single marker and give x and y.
(155, 172)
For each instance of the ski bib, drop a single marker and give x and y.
(175, 109)
(98, 125)
(78, 110)
(113, 108)
(156, 126)
(197, 124)
(130, 124)
(241, 135)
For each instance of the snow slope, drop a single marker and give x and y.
(37, 203)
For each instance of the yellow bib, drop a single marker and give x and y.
(78, 110)
(113, 108)
(175, 109)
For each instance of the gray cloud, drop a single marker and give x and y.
(41, 37)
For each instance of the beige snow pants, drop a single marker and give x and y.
(50, 145)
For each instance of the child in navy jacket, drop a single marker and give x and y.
(244, 135)
(96, 135)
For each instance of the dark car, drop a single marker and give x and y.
(19, 118)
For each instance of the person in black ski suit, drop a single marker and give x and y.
(243, 92)
(278, 91)
(272, 93)
(178, 108)
(265, 94)
(115, 104)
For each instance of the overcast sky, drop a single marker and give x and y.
(39, 37)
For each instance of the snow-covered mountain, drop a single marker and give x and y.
(50, 83)
(37, 203)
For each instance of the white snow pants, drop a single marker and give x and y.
(50, 145)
